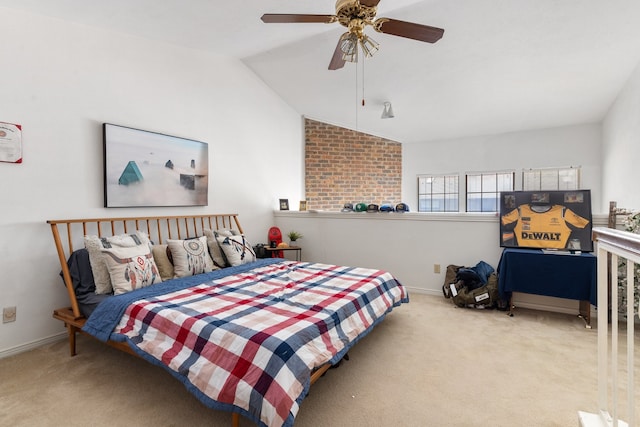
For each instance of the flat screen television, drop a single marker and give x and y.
(559, 220)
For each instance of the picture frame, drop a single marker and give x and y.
(284, 204)
(10, 142)
(554, 220)
(150, 169)
(303, 205)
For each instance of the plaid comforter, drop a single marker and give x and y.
(248, 341)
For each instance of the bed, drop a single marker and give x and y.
(249, 338)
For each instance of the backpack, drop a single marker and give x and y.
(450, 279)
(472, 280)
(469, 277)
(484, 296)
(473, 287)
(260, 251)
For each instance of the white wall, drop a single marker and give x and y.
(61, 82)
(621, 147)
(557, 147)
(408, 245)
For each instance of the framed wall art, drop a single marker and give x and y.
(149, 169)
(10, 143)
(546, 220)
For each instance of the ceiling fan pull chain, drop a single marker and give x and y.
(356, 93)
(363, 61)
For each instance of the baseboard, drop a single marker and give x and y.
(31, 345)
(424, 291)
(519, 303)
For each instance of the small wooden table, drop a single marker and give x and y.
(297, 249)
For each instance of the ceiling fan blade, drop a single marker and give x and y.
(369, 3)
(284, 18)
(423, 33)
(337, 61)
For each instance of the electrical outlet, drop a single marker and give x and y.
(8, 314)
(436, 268)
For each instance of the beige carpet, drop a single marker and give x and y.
(428, 364)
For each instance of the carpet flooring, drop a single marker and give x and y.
(428, 364)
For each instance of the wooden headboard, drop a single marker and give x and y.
(68, 234)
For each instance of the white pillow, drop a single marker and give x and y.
(95, 245)
(214, 247)
(131, 267)
(190, 256)
(237, 249)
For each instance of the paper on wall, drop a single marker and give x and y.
(10, 143)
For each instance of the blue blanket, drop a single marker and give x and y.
(109, 312)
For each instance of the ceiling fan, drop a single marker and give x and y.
(356, 15)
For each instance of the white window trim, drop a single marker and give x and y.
(557, 170)
(461, 196)
(487, 172)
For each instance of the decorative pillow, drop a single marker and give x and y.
(190, 257)
(214, 247)
(162, 260)
(237, 249)
(95, 245)
(80, 272)
(131, 267)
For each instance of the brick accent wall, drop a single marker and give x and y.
(345, 166)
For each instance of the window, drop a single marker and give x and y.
(483, 190)
(551, 179)
(438, 193)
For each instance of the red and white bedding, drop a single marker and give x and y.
(248, 342)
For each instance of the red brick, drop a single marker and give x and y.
(347, 166)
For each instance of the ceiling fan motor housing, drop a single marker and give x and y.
(348, 10)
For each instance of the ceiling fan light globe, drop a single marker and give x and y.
(352, 57)
(349, 47)
(369, 46)
(348, 43)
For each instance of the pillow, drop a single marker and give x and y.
(214, 247)
(95, 245)
(130, 267)
(80, 272)
(190, 257)
(216, 252)
(237, 249)
(82, 279)
(162, 260)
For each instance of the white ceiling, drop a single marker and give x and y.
(501, 66)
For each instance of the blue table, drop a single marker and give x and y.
(531, 271)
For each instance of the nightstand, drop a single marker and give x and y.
(297, 249)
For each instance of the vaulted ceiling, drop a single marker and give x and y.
(501, 66)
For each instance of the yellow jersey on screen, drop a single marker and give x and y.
(543, 229)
